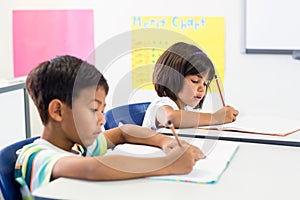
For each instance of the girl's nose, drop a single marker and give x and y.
(201, 87)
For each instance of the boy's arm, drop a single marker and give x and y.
(134, 134)
(179, 160)
(129, 133)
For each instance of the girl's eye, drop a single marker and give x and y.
(195, 81)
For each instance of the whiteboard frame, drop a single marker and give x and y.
(255, 37)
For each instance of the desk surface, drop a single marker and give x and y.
(257, 172)
(289, 140)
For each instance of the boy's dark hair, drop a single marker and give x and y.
(63, 78)
(178, 61)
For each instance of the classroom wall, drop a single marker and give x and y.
(254, 83)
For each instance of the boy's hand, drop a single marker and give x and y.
(182, 159)
(174, 144)
(225, 115)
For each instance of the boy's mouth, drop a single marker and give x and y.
(96, 133)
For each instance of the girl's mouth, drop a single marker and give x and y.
(198, 97)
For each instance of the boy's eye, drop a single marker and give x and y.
(94, 109)
(195, 81)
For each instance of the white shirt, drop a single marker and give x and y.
(150, 116)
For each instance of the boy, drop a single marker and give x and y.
(70, 97)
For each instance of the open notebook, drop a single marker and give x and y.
(265, 125)
(209, 170)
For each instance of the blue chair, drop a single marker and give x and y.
(126, 114)
(9, 187)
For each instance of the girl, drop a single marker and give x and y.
(181, 77)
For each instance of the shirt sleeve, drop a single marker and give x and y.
(34, 167)
(150, 116)
(99, 147)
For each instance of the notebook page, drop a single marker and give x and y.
(208, 170)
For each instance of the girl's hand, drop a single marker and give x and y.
(225, 115)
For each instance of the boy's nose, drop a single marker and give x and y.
(101, 119)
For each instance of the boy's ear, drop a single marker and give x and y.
(55, 109)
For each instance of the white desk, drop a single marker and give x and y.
(289, 140)
(256, 172)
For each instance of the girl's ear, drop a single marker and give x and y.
(55, 109)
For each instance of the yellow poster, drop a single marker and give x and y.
(151, 35)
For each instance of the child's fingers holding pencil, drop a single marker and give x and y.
(198, 152)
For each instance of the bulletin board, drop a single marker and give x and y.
(208, 33)
(55, 33)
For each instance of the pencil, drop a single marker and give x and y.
(220, 92)
(171, 126)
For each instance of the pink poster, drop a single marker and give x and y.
(40, 35)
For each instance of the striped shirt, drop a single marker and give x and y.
(36, 160)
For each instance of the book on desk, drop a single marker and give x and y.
(263, 125)
(206, 171)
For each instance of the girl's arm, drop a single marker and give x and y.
(188, 119)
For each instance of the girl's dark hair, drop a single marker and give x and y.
(178, 61)
(63, 78)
